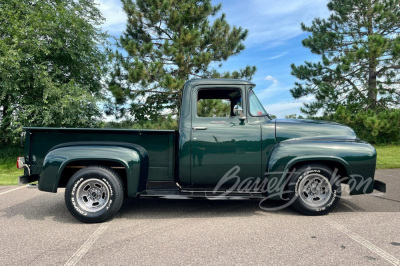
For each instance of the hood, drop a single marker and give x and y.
(311, 129)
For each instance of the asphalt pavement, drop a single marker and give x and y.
(37, 229)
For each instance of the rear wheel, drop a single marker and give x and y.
(94, 194)
(313, 190)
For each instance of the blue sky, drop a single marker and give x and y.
(273, 43)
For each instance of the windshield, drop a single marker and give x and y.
(256, 108)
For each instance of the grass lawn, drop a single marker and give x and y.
(388, 157)
(8, 170)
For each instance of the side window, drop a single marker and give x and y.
(213, 108)
(217, 102)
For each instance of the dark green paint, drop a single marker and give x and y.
(299, 128)
(358, 158)
(158, 144)
(227, 142)
(130, 157)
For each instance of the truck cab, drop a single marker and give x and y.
(212, 142)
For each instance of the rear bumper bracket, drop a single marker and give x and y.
(22, 180)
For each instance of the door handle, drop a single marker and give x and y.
(199, 128)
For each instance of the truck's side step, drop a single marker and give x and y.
(192, 194)
(161, 185)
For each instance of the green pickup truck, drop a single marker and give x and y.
(239, 153)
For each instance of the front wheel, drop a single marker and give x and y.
(94, 194)
(314, 190)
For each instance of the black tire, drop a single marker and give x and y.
(94, 194)
(312, 190)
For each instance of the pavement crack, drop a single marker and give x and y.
(76, 257)
(386, 198)
(382, 253)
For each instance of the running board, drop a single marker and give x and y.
(206, 194)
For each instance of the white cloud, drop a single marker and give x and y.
(271, 23)
(288, 107)
(271, 78)
(115, 16)
(276, 88)
(276, 56)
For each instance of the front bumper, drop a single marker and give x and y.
(22, 180)
(380, 186)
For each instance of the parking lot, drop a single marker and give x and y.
(37, 229)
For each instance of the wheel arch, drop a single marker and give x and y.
(69, 168)
(133, 158)
(334, 163)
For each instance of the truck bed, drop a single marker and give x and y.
(160, 145)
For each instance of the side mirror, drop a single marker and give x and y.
(238, 111)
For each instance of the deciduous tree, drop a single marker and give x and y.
(51, 64)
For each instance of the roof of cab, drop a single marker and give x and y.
(195, 82)
(191, 84)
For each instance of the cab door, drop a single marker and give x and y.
(221, 144)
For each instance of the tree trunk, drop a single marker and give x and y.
(372, 95)
(5, 123)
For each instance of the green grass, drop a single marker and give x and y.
(388, 157)
(8, 170)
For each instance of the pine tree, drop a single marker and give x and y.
(165, 44)
(359, 45)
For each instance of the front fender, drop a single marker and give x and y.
(357, 158)
(133, 158)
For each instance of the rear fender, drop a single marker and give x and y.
(132, 157)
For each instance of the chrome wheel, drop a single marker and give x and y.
(92, 195)
(314, 190)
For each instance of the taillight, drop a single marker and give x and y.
(20, 162)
